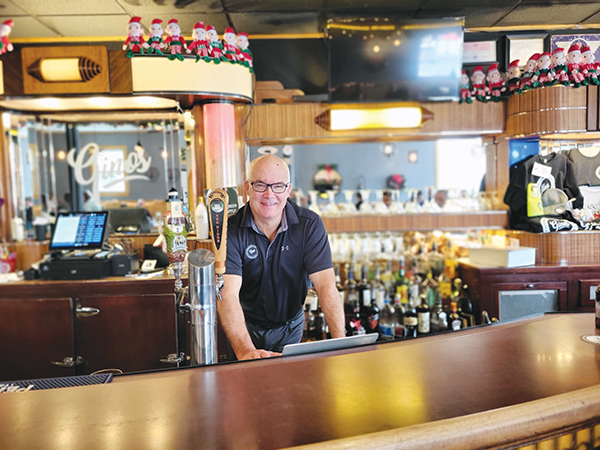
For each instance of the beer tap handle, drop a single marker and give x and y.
(218, 203)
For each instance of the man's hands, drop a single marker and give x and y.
(256, 354)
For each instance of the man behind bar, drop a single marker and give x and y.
(272, 245)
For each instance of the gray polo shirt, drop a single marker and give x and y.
(275, 274)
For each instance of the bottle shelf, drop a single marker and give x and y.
(417, 221)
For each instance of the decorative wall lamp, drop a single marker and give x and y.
(372, 118)
(50, 70)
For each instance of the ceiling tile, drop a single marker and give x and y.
(8, 8)
(28, 27)
(166, 7)
(273, 5)
(276, 23)
(548, 14)
(87, 25)
(368, 5)
(474, 17)
(452, 4)
(66, 7)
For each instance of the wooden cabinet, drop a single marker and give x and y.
(34, 333)
(77, 328)
(562, 288)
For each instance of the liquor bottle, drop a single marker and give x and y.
(423, 317)
(311, 298)
(351, 299)
(377, 288)
(456, 289)
(445, 284)
(485, 318)
(454, 320)
(465, 307)
(387, 277)
(354, 327)
(598, 307)
(201, 219)
(401, 280)
(415, 283)
(309, 325)
(411, 321)
(429, 288)
(439, 318)
(338, 283)
(364, 292)
(399, 330)
(371, 322)
(320, 328)
(386, 321)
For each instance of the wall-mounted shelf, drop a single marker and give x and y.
(417, 221)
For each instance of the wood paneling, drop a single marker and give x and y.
(97, 84)
(120, 73)
(421, 221)
(549, 110)
(282, 123)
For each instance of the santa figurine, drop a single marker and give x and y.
(199, 44)
(245, 56)
(589, 65)
(5, 29)
(175, 40)
(513, 73)
(561, 73)
(230, 48)
(134, 40)
(215, 48)
(155, 43)
(546, 70)
(529, 77)
(496, 85)
(574, 66)
(478, 82)
(465, 89)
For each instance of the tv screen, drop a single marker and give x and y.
(79, 230)
(387, 60)
(130, 220)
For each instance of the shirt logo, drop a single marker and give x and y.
(598, 172)
(251, 251)
(285, 248)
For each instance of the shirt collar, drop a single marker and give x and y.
(289, 217)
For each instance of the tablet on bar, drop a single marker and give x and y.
(329, 344)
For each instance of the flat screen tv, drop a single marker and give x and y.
(388, 60)
(130, 220)
(79, 231)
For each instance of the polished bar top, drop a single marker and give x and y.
(281, 402)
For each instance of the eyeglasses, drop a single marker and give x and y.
(277, 188)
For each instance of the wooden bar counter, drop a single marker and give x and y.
(486, 387)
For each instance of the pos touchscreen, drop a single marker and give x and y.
(79, 230)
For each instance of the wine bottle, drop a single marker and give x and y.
(320, 328)
(423, 317)
(354, 327)
(371, 323)
(364, 291)
(465, 307)
(311, 298)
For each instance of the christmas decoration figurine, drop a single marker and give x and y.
(546, 70)
(529, 77)
(245, 55)
(5, 29)
(478, 81)
(465, 89)
(199, 44)
(574, 66)
(215, 48)
(175, 40)
(134, 40)
(561, 73)
(155, 43)
(230, 47)
(513, 73)
(589, 65)
(496, 84)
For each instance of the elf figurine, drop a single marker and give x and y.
(561, 73)
(589, 65)
(574, 67)
(5, 29)
(496, 84)
(478, 81)
(230, 47)
(155, 43)
(215, 48)
(199, 44)
(465, 89)
(245, 55)
(134, 40)
(546, 70)
(513, 73)
(175, 40)
(529, 77)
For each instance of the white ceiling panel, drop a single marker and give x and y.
(66, 7)
(8, 8)
(29, 27)
(549, 14)
(161, 7)
(276, 23)
(88, 25)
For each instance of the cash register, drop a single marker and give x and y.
(76, 248)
